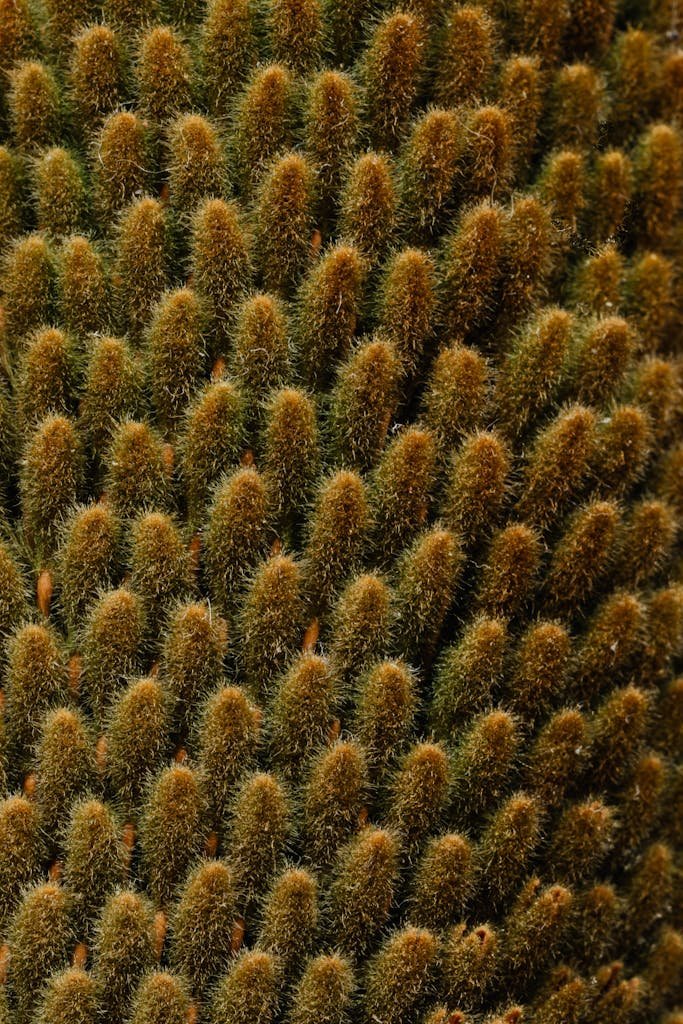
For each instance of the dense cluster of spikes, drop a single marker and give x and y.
(340, 581)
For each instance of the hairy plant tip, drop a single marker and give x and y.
(556, 756)
(506, 847)
(295, 29)
(301, 713)
(362, 889)
(28, 286)
(398, 977)
(160, 566)
(333, 800)
(658, 174)
(18, 31)
(121, 164)
(418, 795)
(110, 643)
(487, 153)
(577, 99)
(368, 205)
(96, 74)
(71, 995)
(137, 740)
(598, 282)
(23, 855)
(610, 644)
(290, 451)
(336, 532)
(220, 261)
(362, 403)
(510, 569)
(284, 222)
(407, 301)
(475, 486)
(192, 655)
(88, 558)
(467, 674)
(324, 993)
(163, 74)
(260, 358)
(429, 572)
(443, 882)
(201, 925)
(124, 949)
(161, 998)
(36, 681)
(271, 622)
(176, 350)
(471, 269)
(400, 490)
(469, 961)
(40, 939)
(195, 161)
(60, 193)
(227, 45)
(66, 768)
(482, 765)
(212, 438)
(582, 556)
(521, 95)
(429, 167)
(359, 626)
(261, 809)
(141, 264)
(172, 827)
(539, 670)
(34, 105)
(95, 860)
(250, 990)
(331, 125)
(609, 194)
(535, 929)
(290, 920)
(228, 734)
(46, 374)
(136, 469)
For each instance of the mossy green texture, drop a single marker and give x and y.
(341, 613)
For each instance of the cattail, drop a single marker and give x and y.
(362, 891)
(88, 559)
(390, 70)
(171, 830)
(407, 298)
(137, 740)
(290, 920)
(368, 205)
(201, 924)
(468, 673)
